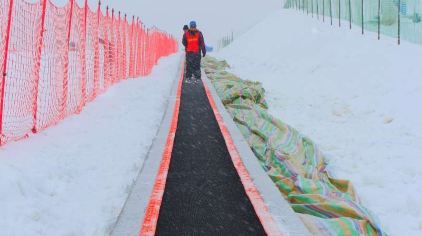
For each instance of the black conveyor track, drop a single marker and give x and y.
(203, 194)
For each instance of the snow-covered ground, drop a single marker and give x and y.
(358, 98)
(73, 179)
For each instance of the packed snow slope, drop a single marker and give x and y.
(355, 96)
(73, 178)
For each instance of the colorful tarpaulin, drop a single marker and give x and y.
(328, 206)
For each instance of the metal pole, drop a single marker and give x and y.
(84, 72)
(132, 50)
(379, 19)
(66, 73)
(331, 13)
(37, 67)
(362, 17)
(307, 7)
(339, 14)
(97, 54)
(350, 14)
(398, 21)
(312, 8)
(4, 72)
(323, 10)
(317, 9)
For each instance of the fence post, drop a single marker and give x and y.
(125, 42)
(331, 13)
(350, 14)
(379, 19)
(312, 8)
(118, 50)
(107, 52)
(317, 8)
(147, 51)
(4, 72)
(307, 7)
(136, 49)
(362, 18)
(132, 54)
(66, 71)
(38, 64)
(112, 51)
(398, 22)
(143, 47)
(339, 14)
(83, 82)
(97, 54)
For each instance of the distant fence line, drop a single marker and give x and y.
(401, 19)
(225, 41)
(53, 60)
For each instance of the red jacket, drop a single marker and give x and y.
(194, 42)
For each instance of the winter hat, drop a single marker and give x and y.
(185, 27)
(192, 24)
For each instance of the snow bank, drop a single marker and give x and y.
(73, 178)
(355, 96)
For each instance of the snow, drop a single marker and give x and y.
(357, 97)
(73, 178)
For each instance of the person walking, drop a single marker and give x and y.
(193, 40)
(185, 28)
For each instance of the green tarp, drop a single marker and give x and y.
(327, 206)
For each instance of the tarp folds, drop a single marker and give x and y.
(328, 206)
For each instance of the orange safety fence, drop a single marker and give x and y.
(53, 60)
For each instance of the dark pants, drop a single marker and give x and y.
(193, 65)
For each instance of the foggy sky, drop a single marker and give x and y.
(216, 18)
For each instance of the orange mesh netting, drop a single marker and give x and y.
(53, 60)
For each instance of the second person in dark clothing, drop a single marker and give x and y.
(194, 42)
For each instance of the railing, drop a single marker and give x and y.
(53, 60)
(401, 19)
(225, 41)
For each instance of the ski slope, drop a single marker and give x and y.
(358, 98)
(73, 178)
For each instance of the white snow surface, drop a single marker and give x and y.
(73, 178)
(358, 98)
